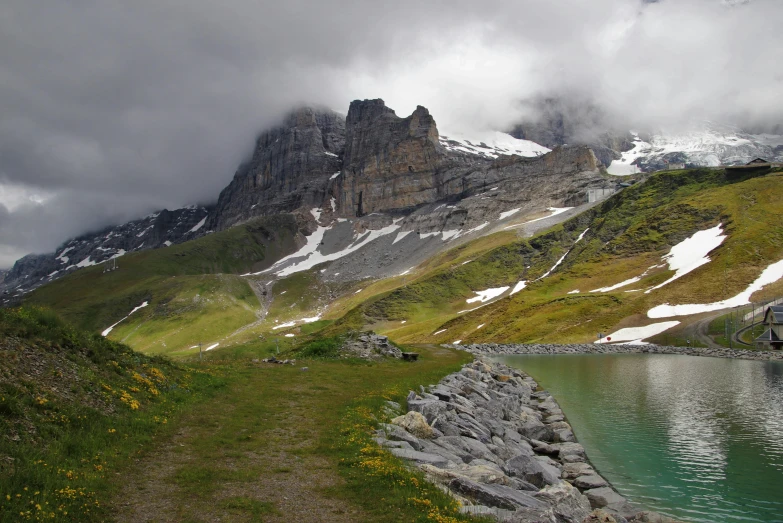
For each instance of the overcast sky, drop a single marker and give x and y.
(112, 109)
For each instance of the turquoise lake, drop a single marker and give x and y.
(699, 439)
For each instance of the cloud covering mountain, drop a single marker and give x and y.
(114, 109)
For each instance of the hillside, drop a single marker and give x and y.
(75, 407)
(572, 272)
(192, 289)
(533, 280)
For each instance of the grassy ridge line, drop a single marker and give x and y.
(76, 408)
(628, 233)
(93, 300)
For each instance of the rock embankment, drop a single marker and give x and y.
(595, 348)
(502, 447)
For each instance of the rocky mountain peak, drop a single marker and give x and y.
(291, 167)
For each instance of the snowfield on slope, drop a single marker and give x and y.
(637, 334)
(691, 253)
(108, 330)
(492, 145)
(771, 274)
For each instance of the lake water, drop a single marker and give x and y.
(700, 439)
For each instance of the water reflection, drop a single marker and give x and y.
(697, 438)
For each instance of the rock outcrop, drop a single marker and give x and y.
(292, 167)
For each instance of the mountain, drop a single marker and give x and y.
(403, 195)
(160, 229)
(559, 121)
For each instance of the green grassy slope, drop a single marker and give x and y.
(74, 407)
(193, 290)
(627, 235)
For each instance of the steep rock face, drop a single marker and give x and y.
(292, 167)
(390, 163)
(159, 229)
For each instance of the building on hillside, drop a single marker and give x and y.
(758, 161)
(773, 336)
(673, 166)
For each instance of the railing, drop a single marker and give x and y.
(760, 310)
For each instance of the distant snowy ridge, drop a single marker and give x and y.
(707, 145)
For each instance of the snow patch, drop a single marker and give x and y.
(440, 331)
(486, 295)
(333, 203)
(327, 153)
(492, 145)
(638, 333)
(770, 275)
(617, 286)
(582, 235)
(199, 225)
(575, 291)
(518, 287)
(212, 346)
(284, 325)
(553, 211)
(477, 328)
(109, 329)
(691, 253)
(289, 335)
(506, 214)
(400, 236)
(456, 342)
(335, 175)
(167, 243)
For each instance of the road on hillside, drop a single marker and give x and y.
(699, 331)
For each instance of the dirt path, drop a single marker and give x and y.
(699, 331)
(249, 454)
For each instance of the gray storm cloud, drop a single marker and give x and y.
(112, 109)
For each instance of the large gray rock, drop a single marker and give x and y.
(532, 470)
(603, 496)
(495, 495)
(569, 505)
(421, 457)
(574, 470)
(532, 428)
(414, 423)
(397, 433)
(591, 481)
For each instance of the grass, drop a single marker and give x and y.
(109, 432)
(193, 288)
(76, 407)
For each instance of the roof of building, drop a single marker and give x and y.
(768, 336)
(757, 160)
(777, 313)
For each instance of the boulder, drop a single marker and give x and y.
(603, 496)
(574, 470)
(532, 428)
(532, 470)
(532, 515)
(569, 505)
(421, 457)
(431, 409)
(599, 516)
(591, 481)
(495, 495)
(393, 432)
(414, 423)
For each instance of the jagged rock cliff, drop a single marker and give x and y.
(391, 163)
(291, 168)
